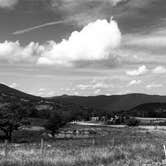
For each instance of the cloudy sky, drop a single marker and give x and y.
(83, 47)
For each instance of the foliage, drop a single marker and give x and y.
(11, 118)
(133, 122)
(55, 122)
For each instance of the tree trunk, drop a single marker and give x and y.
(9, 135)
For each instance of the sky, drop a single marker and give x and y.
(83, 47)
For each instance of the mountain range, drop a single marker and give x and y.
(114, 103)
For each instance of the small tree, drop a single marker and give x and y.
(11, 118)
(55, 122)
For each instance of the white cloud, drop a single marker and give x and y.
(8, 3)
(50, 94)
(100, 85)
(94, 42)
(76, 93)
(42, 90)
(153, 85)
(116, 2)
(94, 84)
(134, 82)
(159, 70)
(83, 86)
(97, 91)
(140, 71)
(45, 93)
(14, 52)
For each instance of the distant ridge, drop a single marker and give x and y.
(114, 102)
(102, 102)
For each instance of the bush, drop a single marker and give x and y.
(133, 122)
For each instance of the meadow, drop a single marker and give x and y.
(109, 147)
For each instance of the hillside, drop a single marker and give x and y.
(114, 102)
(154, 110)
(88, 104)
(37, 107)
(11, 93)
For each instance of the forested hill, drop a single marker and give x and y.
(114, 102)
(153, 110)
(97, 103)
(11, 93)
(38, 107)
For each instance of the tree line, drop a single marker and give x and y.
(16, 114)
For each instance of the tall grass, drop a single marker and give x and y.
(123, 149)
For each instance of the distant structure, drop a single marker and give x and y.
(94, 119)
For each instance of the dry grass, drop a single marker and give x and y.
(121, 147)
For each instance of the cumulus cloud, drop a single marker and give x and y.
(134, 82)
(140, 71)
(8, 3)
(14, 52)
(97, 91)
(95, 84)
(83, 86)
(94, 42)
(153, 85)
(45, 93)
(159, 70)
(116, 2)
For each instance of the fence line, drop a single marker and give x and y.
(6, 150)
(42, 148)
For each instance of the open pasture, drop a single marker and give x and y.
(119, 147)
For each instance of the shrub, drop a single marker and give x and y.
(132, 122)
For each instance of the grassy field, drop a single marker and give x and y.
(110, 147)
